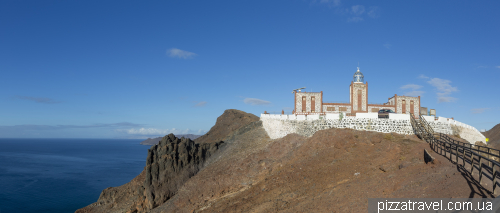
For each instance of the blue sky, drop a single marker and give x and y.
(137, 69)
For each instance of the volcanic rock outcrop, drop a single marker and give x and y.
(154, 141)
(169, 164)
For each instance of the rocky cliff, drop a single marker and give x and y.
(154, 141)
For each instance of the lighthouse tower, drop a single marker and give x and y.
(359, 93)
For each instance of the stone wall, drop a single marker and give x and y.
(453, 127)
(278, 126)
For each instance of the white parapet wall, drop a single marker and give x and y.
(453, 127)
(395, 116)
(278, 126)
(308, 125)
(366, 115)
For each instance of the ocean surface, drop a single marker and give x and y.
(63, 175)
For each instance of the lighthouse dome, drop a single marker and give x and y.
(358, 77)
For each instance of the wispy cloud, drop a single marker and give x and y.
(423, 77)
(333, 3)
(40, 100)
(357, 10)
(482, 67)
(415, 93)
(159, 132)
(444, 89)
(498, 67)
(200, 104)
(442, 99)
(374, 12)
(354, 13)
(411, 86)
(178, 53)
(354, 19)
(478, 110)
(387, 45)
(31, 127)
(255, 101)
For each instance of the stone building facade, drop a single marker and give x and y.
(310, 103)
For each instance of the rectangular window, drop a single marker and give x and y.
(303, 103)
(342, 109)
(313, 104)
(404, 106)
(374, 109)
(330, 109)
(411, 107)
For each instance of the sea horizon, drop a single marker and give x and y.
(64, 174)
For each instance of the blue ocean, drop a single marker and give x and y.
(63, 175)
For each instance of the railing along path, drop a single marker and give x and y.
(480, 158)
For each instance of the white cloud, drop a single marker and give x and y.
(201, 104)
(178, 53)
(354, 19)
(442, 99)
(255, 101)
(479, 67)
(334, 3)
(478, 110)
(443, 86)
(444, 89)
(373, 12)
(411, 86)
(415, 93)
(387, 45)
(153, 131)
(498, 67)
(423, 77)
(357, 10)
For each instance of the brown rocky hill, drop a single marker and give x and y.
(227, 123)
(494, 135)
(335, 170)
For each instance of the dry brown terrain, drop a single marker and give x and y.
(494, 135)
(335, 170)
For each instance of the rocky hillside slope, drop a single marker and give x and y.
(226, 124)
(494, 135)
(335, 170)
(154, 141)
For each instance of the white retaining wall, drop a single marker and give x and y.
(366, 115)
(453, 127)
(278, 126)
